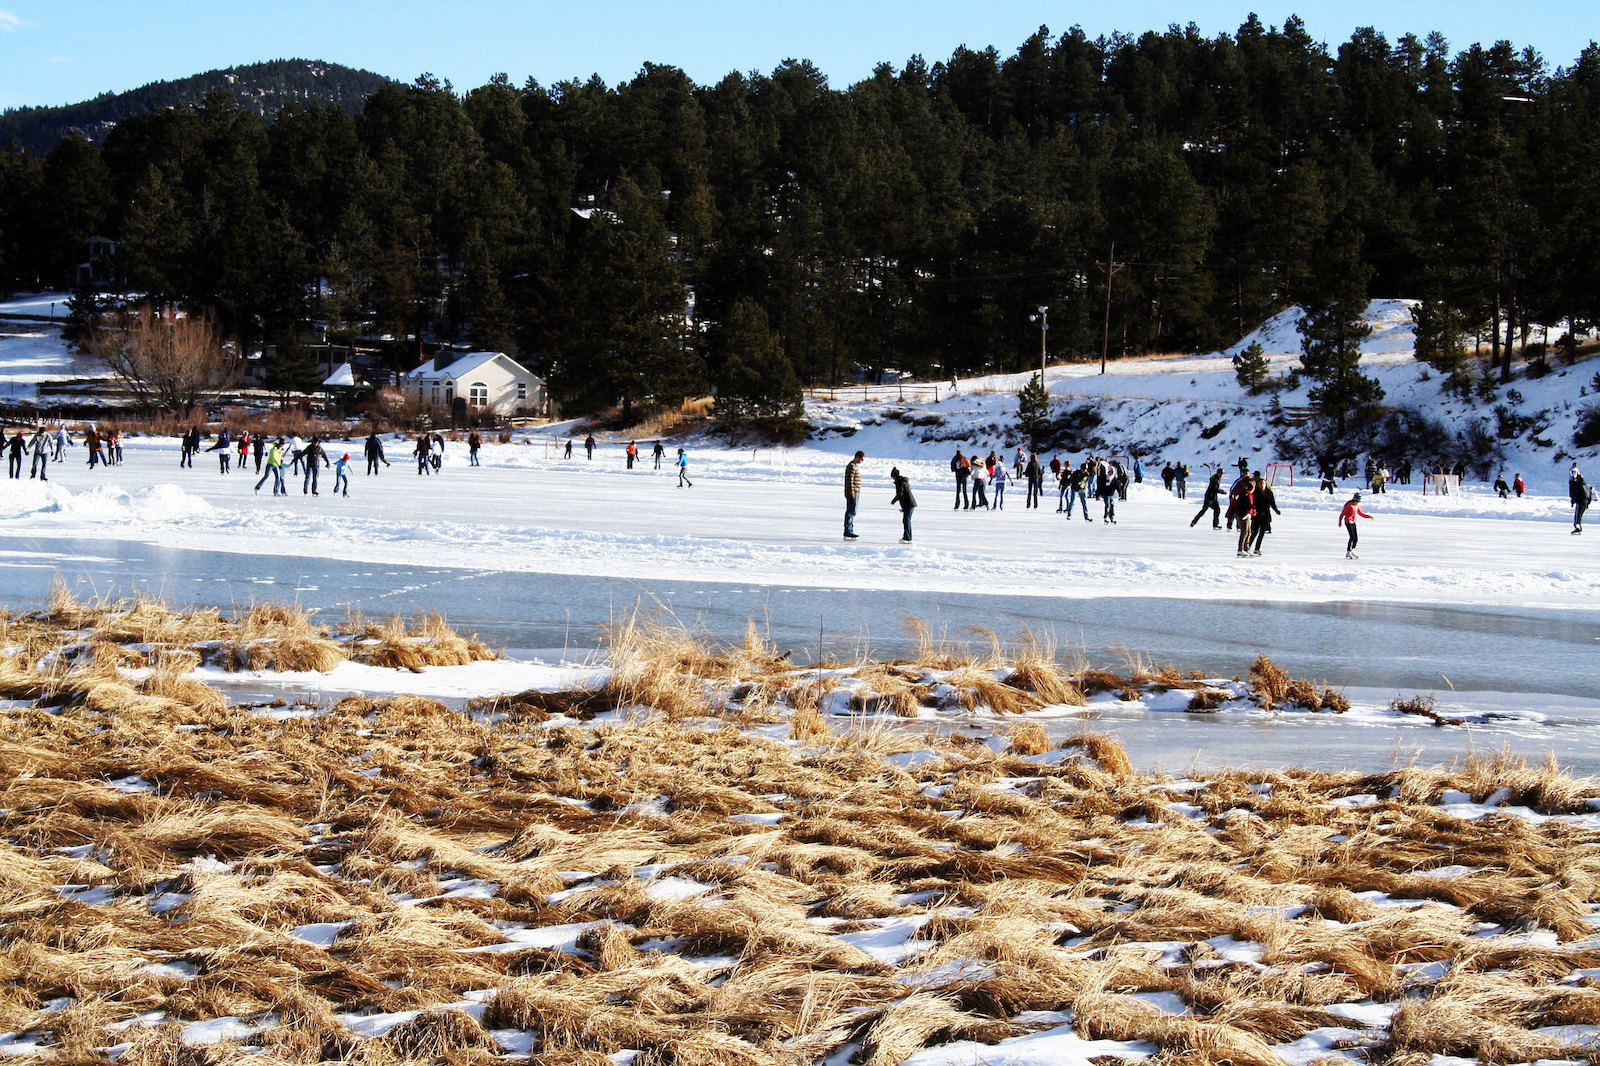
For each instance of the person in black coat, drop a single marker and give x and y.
(1212, 501)
(373, 450)
(907, 502)
(1266, 506)
(1581, 495)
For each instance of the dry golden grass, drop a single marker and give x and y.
(1035, 885)
(429, 641)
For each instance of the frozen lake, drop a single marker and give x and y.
(1537, 667)
(1489, 605)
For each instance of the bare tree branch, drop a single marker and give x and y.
(167, 359)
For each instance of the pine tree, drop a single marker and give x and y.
(1251, 368)
(1033, 411)
(757, 388)
(1332, 331)
(1440, 335)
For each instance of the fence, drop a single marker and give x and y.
(880, 392)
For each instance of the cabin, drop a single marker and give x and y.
(488, 383)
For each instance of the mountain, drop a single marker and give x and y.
(261, 87)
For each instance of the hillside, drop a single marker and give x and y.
(1191, 409)
(264, 88)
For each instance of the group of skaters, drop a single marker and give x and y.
(269, 455)
(1095, 478)
(40, 447)
(658, 452)
(44, 445)
(1251, 505)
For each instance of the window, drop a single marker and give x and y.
(478, 394)
(522, 390)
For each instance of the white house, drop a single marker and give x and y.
(488, 381)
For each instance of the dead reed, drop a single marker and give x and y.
(694, 884)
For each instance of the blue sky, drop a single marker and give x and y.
(63, 51)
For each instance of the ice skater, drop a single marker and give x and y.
(1347, 518)
(373, 450)
(852, 493)
(1266, 502)
(683, 470)
(41, 454)
(274, 470)
(907, 502)
(1212, 502)
(341, 476)
(1582, 495)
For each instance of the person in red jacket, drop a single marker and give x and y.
(1347, 518)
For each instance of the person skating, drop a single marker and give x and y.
(683, 470)
(373, 449)
(190, 445)
(62, 440)
(258, 449)
(1034, 473)
(1242, 509)
(980, 481)
(1212, 502)
(223, 448)
(14, 449)
(852, 493)
(41, 455)
(658, 451)
(907, 502)
(421, 450)
(1183, 481)
(1106, 489)
(341, 476)
(92, 441)
(1582, 495)
(1518, 487)
(633, 453)
(274, 470)
(962, 470)
(1266, 504)
(1500, 487)
(1167, 474)
(1347, 518)
(1240, 482)
(588, 446)
(244, 450)
(997, 481)
(474, 442)
(568, 454)
(312, 454)
(1080, 485)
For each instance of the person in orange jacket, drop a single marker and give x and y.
(1347, 518)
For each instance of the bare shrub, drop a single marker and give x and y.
(166, 358)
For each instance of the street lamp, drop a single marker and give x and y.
(1043, 318)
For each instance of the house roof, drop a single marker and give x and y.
(342, 376)
(463, 365)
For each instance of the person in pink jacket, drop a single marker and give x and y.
(1347, 518)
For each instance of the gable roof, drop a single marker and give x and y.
(463, 365)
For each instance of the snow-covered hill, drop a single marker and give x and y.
(1191, 409)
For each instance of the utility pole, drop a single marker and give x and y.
(1110, 267)
(1044, 331)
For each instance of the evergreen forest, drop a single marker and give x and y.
(637, 243)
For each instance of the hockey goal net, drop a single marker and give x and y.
(1441, 485)
(1280, 474)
